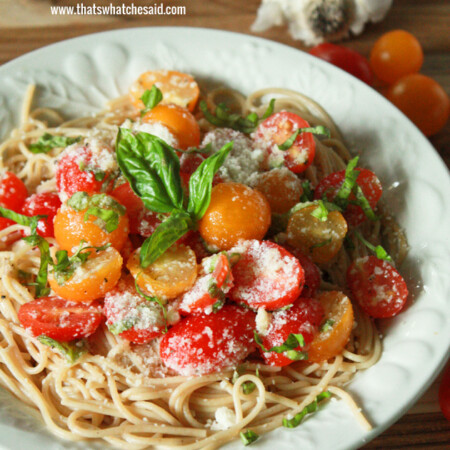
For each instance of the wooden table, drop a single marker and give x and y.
(27, 24)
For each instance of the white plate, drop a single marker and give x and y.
(79, 75)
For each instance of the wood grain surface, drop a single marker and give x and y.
(28, 24)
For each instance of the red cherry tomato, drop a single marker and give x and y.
(423, 100)
(13, 192)
(444, 393)
(346, 59)
(378, 288)
(303, 318)
(83, 168)
(396, 54)
(47, 204)
(312, 273)
(266, 275)
(128, 198)
(367, 181)
(276, 130)
(214, 281)
(132, 316)
(202, 344)
(60, 319)
(11, 237)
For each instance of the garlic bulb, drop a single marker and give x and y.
(314, 21)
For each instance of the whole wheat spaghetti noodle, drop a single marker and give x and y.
(120, 392)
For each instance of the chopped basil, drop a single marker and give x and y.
(248, 437)
(288, 143)
(48, 142)
(288, 346)
(341, 197)
(70, 350)
(320, 244)
(206, 150)
(223, 118)
(121, 326)
(308, 195)
(308, 409)
(150, 98)
(26, 221)
(46, 259)
(327, 325)
(99, 174)
(378, 250)
(362, 201)
(248, 387)
(218, 305)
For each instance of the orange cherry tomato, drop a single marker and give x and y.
(396, 54)
(235, 212)
(173, 273)
(71, 227)
(319, 240)
(93, 279)
(423, 100)
(176, 87)
(336, 327)
(281, 187)
(179, 121)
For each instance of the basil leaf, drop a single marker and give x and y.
(152, 168)
(70, 350)
(44, 248)
(341, 197)
(308, 409)
(362, 202)
(288, 346)
(150, 98)
(289, 142)
(26, 221)
(168, 232)
(200, 183)
(248, 437)
(48, 142)
(206, 150)
(269, 111)
(327, 325)
(378, 250)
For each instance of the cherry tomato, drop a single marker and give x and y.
(47, 204)
(276, 130)
(90, 168)
(423, 100)
(235, 212)
(93, 279)
(346, 59)
(378, 288)
(319, 240)
(193, 240)
(176, 87)
(214, 281)
(367, 181)
(266, 275)
(444, 393)
(179, 121)
(336, 327)
(303, 318)
(312, 273)
(396, 54)
(13, 192)
(207, 343)
(131, 316)
(173, 273)
(60, 319)
(10, 238)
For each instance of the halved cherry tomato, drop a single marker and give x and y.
(202, 344)
(319, 240)
(71, 227)
(276, 130)
(378, 288)
(93, 279)
(346, 59)
(126, 196)
(396, 54)
(90, 168)
(266, 275)
(13, 192)
(367, 181)
(444, 393)
(303, 318)
(179, 121)
(173, 273)
(235, 212)
(214, 281)
(47, 204)
(423, 100)
(176, 87)
(336, 328)
(281, 187)
(131, 316)
(60, 319)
